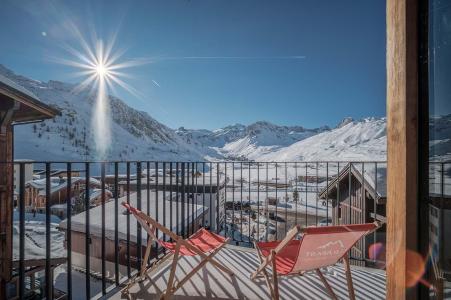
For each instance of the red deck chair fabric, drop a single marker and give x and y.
(200, 243)
(317, 248)
(203, 240)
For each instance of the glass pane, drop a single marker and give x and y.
(440, 147)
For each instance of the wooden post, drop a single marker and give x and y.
(6, 203)
(402, 143)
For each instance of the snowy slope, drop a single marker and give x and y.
(245, 142)
(352, 140)
(135, 135)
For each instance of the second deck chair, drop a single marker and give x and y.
(203, 243)
(318, 247)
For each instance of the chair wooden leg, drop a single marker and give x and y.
(326, 284)
(265, 273)
(349, 277)
(169, 288)
(275, 278)
(146, 258)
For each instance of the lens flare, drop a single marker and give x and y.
(376, 252)
(101, 69)
(415, 268)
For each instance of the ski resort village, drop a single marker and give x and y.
(111, 191)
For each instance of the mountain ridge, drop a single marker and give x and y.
(138, 136)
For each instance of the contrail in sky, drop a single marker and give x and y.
(233, 57)
(156, 83)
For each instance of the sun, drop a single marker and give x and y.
(100, 64)
(101, 70)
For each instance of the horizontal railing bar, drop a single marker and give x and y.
(203, 161)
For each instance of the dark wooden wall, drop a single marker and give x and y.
(6, 203)
(354, 207)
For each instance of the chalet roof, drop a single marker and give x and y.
(375, 184)
(28, 107)
(94, 193)
(56, 183)
(199, 181)
(55, 172)
(164, 207)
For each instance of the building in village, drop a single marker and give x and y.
(28, 172)
(182, 219)
(35, 191)
(358, 199)
(208, 191)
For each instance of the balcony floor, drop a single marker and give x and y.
(209, 283)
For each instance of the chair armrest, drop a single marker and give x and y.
(288, 238)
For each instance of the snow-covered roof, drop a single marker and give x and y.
(94, 193)
(59, 206)
(35, 236)
(8, 82)
(31, 108)
(189, 182)
(57, 183)
(95, 219)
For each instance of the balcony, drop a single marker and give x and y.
(82, 228)
(209, 283)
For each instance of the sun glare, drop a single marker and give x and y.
(101, 70)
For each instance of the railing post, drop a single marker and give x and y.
(182, 208)
(116, 223)
(48, 268)
(139, 207)
(21, 231)
(69, 230)
(87, 233)
(103, 247)
(164, 198)
(128, 222)
(217, 197)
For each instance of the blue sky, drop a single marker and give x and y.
(214, 63)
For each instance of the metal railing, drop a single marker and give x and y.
(247, 201)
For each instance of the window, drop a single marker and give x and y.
(438, 160)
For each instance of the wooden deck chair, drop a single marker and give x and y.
(318, 247)
(203, 243)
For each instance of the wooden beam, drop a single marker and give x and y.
(44, 110)
(402, 143)
(6, 207)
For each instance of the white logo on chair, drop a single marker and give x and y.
(328, 249)
(329, 244)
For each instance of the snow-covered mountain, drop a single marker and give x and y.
(350, 141)
(135, 135)
(245, 142)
